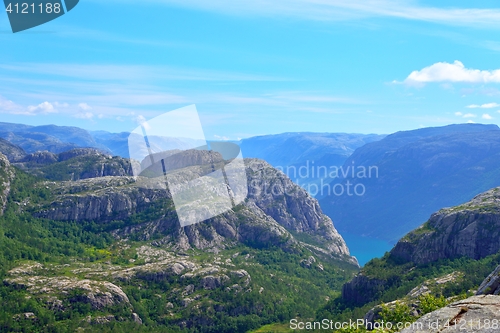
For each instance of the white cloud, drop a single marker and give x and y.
(223, 138)
(470, 115)
(140, 120)
(487, 116)
(8, 106)
(42, 108)
(456, 72)
(84, 106)
(60, 105)
(84, 115)
(458, 114)
(471, 122)
(483, 106)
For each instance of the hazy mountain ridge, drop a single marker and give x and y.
(418, 172)
(289, 149)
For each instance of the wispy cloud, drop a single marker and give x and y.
(94, 92)
(483, 106)
(455, 72)
(9, 107)
(110, 72)
(487, 116)
(340, 10)
(466, 115)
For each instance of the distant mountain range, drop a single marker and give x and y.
(414, 173)
(300, 155)
(288, 152)
(407, 175)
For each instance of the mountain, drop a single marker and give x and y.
(50, 138)
(304, 156)
(11, 151)
(389, 187)
(467, 233)
(469, 230)
(281, 213)
(116, 143)
(436, 277)
(108, 253)
(79, 163)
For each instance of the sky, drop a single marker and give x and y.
(256, 67)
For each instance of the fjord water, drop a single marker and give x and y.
(364, 248)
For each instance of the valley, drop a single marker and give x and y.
(84, 244)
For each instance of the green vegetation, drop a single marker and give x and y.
(280, 287)
(75, 168)
(400, 278)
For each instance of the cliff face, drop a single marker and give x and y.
(290, 205)
(471, 230)
(81, 163)
(276, 212)
(11, 151)
(6, 176)
(362, 289)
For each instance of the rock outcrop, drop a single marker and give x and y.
(11, 151)
(479, 313)
(474, 314)
(290, 205)
(490, 285)
(81, 163)
(362, 289)
(470, 230)
(6, 176)
(276, 209)
(99, 294)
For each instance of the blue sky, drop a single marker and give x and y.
(256, 67)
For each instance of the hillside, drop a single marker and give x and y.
(449, 263)
(75, 164)
(463, 235)
(104, 253)
(416, 173)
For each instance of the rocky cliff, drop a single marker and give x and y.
(6, 176)
(11, 151)
(469, 230)
(80, 163)
(276, 212)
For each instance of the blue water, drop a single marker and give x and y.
(365, 249)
